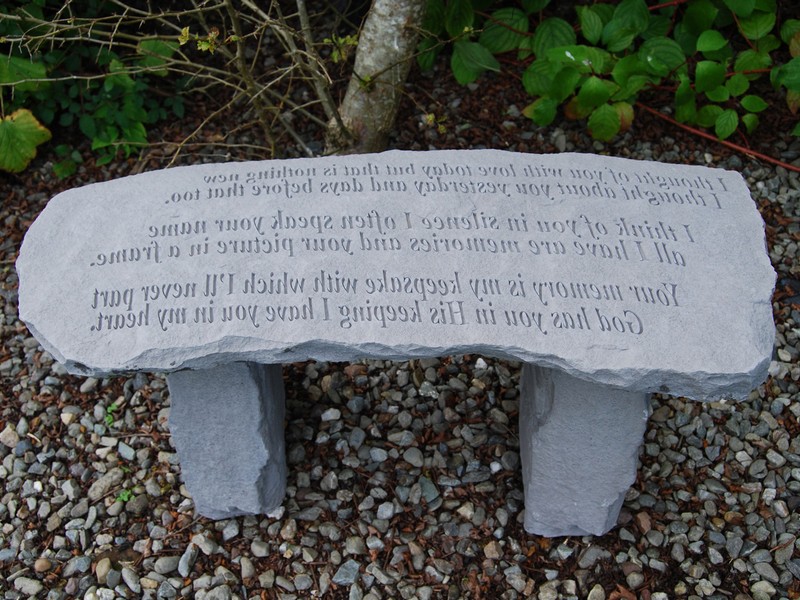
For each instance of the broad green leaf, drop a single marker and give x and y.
(708, 75)
(754, 104)
(757, 25)
(458, 17)
(749, 62)
(662, 55)
(591, 24)
(538, 77)
(789, 29)
(427, 50)
(627, 67)
(564, 83)
(741, 8)
(605, 11)
(20, 133)
(574, 111)
(632, 86)
(699, 16)
(726, 123)
(595, 91)
(659, 26)
(789, 75)
(504, 30)
(21, 73)
(156, 54)
(632, 14)
(737, 84)
(617, 36)
(685, 38)
(604, 123)
(768, 43)
(750, 122)
(707, 115)
(719, 94)
(433, 23)
(87, 126)
(796, 130)
(532, 6)
(542, 111)
(551, 33)
(710, 40)
(685, 101)
(469, 60)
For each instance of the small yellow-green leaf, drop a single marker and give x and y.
(20, 133)
(793, 101)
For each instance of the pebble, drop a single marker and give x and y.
(347, 573)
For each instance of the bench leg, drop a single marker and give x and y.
(227, 426)
(579, 446)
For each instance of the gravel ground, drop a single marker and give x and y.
(404, 476)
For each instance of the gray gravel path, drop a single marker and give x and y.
(404, 477)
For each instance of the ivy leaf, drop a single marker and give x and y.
(726, 123)
(458, 17)
(604, 123)
(20, 133)
(505, 30)
(754, 104)
(757, 25)
(708, 75)
(591, 24)
(542, 111)
(552, 33)
(469, 60)
(710, 40)
(741, 8)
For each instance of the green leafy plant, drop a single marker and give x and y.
(706, 53)
(110, 410)
(341, 47)
(20, 134)
(124, 496)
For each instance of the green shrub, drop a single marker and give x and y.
(596, 66)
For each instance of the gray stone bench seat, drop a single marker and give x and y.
(610, 279)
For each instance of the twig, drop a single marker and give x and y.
(727, 144)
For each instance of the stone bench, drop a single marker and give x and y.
(610, 279)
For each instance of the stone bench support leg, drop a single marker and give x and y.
(579, 445)
(227, 426)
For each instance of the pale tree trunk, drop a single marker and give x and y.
(385, 51)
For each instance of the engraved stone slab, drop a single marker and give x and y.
(638, 275)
